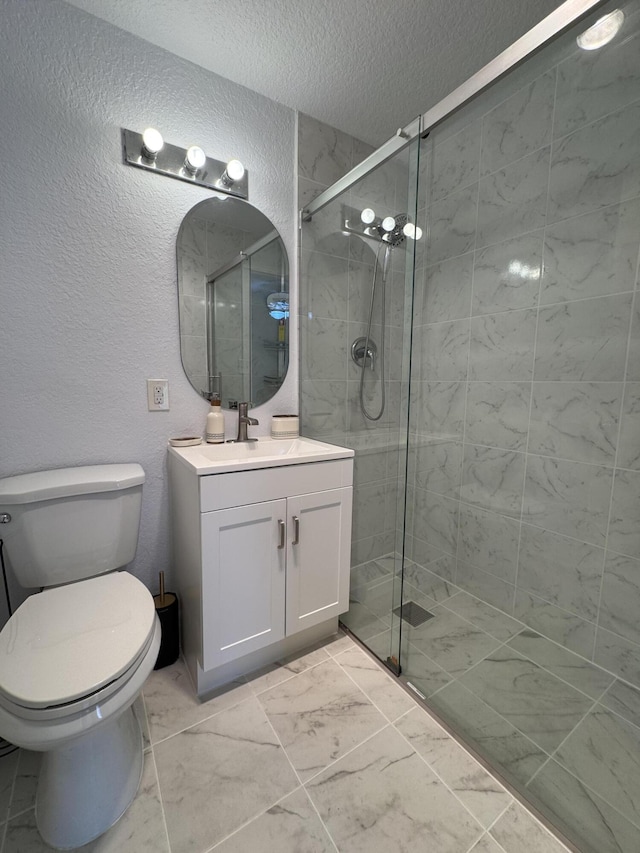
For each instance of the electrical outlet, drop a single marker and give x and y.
(158, 395)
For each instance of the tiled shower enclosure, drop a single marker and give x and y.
(500, 490)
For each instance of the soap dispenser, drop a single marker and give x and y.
(214, 433)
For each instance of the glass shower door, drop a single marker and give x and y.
(355, 330)
(523, 491)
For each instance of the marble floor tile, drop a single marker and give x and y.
(219, 774)
(581, 814)
(604, 753)
(378, 599)
(368, 574)
(420, 670)
(378, 685)
(269, 676)
(452, 642)
(140, 830)
(383, 796)
(518, 830)
(362, 621)
(172, 705)
(291, 826)
(554, 622)
(339, 643)
(518, 757)
(487, 845)
(141, 716)
(624, 700)
(532, 699)
(8, 766)
(26, 782)
(483, 616)
(480, 792)
(319, 716)
(571, 668)
(431, 584)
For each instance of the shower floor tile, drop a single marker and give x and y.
(491, 734)
(452, 642)
(573, 669)
(581, 813)
(484, 616)
(604, 752)
(538, 704)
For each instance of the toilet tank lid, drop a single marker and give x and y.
(66, 482)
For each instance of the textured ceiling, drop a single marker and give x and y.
(364, 66)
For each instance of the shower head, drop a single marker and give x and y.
(396, 236)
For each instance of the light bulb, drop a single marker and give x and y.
(195, 159)
(418, 233)
(233, 172)
(388, 223)
(152, 143)
(602, 31)
(409, 231)
(367, 216)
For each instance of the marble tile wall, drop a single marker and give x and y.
(336, 272)
(526, 396)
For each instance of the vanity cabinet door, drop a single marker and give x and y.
(243, 582)
(318, 557)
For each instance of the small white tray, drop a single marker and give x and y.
(188, 441)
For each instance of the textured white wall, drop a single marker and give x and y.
(88, 297)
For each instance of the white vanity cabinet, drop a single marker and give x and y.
(261, 562)
(272, 569)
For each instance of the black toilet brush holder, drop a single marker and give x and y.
(166, 604)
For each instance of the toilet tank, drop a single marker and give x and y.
(70, 523)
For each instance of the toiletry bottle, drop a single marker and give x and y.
(215, 424)
(281, 332)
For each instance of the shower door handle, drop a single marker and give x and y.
(296, 530)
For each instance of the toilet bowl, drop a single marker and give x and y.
(74, 657)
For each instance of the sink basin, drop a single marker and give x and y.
(263, 453)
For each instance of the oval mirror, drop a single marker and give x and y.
(233, 298)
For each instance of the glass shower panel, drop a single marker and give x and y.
(227, 334)
(522, 527)
(355, 328)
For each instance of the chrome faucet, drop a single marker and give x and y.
(243, 422)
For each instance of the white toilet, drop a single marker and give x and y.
(74, 657)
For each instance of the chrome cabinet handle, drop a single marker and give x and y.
(281, 532)
(296, 530)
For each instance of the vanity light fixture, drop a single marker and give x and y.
(368, 216)
(195, 159)
(152, 144)
(388, 224)
(233, 173)
(149, 151)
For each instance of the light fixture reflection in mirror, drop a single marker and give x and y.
(233, 283)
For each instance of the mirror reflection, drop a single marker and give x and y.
(233, 293)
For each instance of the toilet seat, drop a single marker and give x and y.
(70, 647)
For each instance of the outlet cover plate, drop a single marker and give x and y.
(158, 395)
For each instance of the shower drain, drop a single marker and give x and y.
(413, 613)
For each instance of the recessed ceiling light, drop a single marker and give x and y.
(602, 31)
